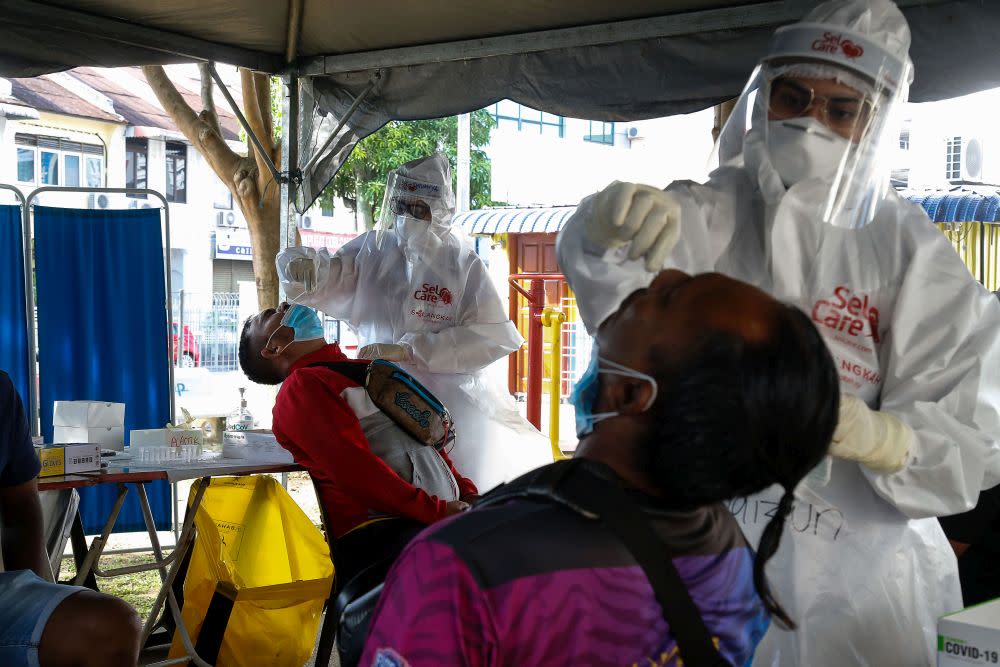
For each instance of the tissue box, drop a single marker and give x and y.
(69, 459)
(254, 446)
(970, 636)
(96, 422)
(165, 437)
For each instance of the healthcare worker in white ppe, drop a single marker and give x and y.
(801, 207)
(416, 293)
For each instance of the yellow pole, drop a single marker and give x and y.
(553, 319)
(993, 256)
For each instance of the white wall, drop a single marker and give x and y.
(933, 123)
(545, 170)
(192, 222)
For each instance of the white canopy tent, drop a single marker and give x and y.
(352, 67)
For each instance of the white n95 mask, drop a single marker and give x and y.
(802, 148)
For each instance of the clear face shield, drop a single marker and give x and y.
(419, 214)
(409, 203)
(819, 119)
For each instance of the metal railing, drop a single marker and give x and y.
(211, 330)
(211, 326)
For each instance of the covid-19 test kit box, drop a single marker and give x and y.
(970, 637)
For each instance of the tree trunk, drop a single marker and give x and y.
(253, 188)
(266, 238)
(363, 207)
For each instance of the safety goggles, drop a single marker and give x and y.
(847, 116)
(413, 208)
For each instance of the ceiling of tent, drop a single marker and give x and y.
(255, 33)
(38, 36)
(366, 63)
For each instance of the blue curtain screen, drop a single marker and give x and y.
(102, 331)
(13, 315)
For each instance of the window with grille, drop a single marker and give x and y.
(135, 165)
(56, 161)
(176, 172)
(526, 119)
(601, 133)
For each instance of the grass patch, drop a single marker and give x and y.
(138, 589)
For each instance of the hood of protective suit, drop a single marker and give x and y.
(859, 44)
(420, 183)
(435, 170)
(869, 37)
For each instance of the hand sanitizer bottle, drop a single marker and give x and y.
(241, 419)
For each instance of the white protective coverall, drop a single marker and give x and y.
(437, 300)
(863, 568)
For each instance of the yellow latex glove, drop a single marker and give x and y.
(640, 215)
(875, 439)
(387, 351)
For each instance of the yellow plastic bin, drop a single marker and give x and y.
(259, 575)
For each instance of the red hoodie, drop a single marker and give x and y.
(312, 420)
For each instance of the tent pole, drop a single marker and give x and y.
(722, 113)
(289, 157)
(294, 30)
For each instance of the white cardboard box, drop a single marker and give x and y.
(88, 413)
(108, 437)
(165, 437)
(970, 636)
(254, 446)
(96, 422)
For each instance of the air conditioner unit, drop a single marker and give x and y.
(972, 161)
(632, 132)
(230, 219)
(307, 222)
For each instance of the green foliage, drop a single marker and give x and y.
(365, 172)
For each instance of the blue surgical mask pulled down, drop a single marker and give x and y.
(585, 392)
(304, 323)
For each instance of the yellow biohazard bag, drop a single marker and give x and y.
(259, 575)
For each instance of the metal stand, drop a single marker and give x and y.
(29, 306)
(166, 590)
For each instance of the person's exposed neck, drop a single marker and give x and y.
(613, 443)
(296, 351)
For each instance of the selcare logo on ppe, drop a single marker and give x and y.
(433, 294)
(848, 313)
(834, 43)
(419, 188)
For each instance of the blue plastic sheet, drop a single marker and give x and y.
(102, 331)
(13, 315)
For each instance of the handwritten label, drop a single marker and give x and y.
(805, 518)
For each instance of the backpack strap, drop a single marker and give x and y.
(356, 371)
(593, 491)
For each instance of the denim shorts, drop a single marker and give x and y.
(26, 603)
